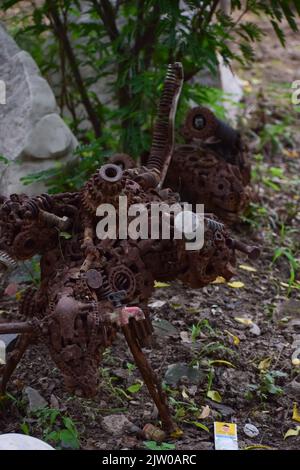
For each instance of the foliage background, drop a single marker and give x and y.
(106, 60)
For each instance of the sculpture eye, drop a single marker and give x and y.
(29, 244)
(199, 122)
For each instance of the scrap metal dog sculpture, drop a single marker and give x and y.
(212, 166)
(91, 288)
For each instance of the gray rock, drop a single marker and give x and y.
(223, 409)
(164, 328)
(292, 389)
(157, 304)
(34, 398)
(250, 430)
(32, 134)
(50, 138)
(181, 371)
(255, 330)
(116, 424)
(296, 342)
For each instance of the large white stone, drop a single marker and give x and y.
(50, 138)
(33, 137)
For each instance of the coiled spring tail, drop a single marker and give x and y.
(163, 135)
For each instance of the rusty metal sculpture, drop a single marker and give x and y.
(91, 288)
(212, 167)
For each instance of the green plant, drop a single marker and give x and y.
(122, 49)
(152, 445)
(201, 326)
(214, 347)
(58, 428)
(275, 136)
(267, 385)
(184, 409)
(109, 382)
(294, 265)
(130, 367)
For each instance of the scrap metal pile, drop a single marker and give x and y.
(91, 288)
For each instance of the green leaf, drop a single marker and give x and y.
(134, 388)
(65, 235)
(4, 160)
(200, 425)
(152, 445)
(25, 428)
(69, 439)
(53, 436)
(214, 395)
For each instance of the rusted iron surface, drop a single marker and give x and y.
(91, 288)
(212, 167)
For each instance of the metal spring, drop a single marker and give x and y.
(105, 288)
(34, 204)
(7, 261)
(214, 225)
(164, 122)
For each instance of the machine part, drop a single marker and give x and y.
(94, 279)
(111, 173)
(124, 161)
(7, 263)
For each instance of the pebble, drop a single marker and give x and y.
(116, 424)
(34, 398)
(250, 430)
(255, 330)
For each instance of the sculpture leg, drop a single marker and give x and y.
(13, 360)
(150, 379)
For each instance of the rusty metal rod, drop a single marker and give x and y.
(151, 380)
(13, 360)
(253, 252)
(15, 327)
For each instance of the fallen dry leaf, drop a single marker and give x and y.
(221, 362)
(177, 434)
(290, 153)
(205, 412)
(292, 432)
(296, 414)
(214, 395)
(244, 321)
(236, 284)
(219, 280)
(161, 284)
(236, 339)
(250, 269)
(265, 363)
(258, 446)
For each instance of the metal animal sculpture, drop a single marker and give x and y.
(212, 166)
(91, 288)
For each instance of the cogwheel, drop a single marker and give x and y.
(7, 263)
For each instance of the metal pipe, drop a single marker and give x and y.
(15, 327)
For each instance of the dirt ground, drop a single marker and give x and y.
(258, 383)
